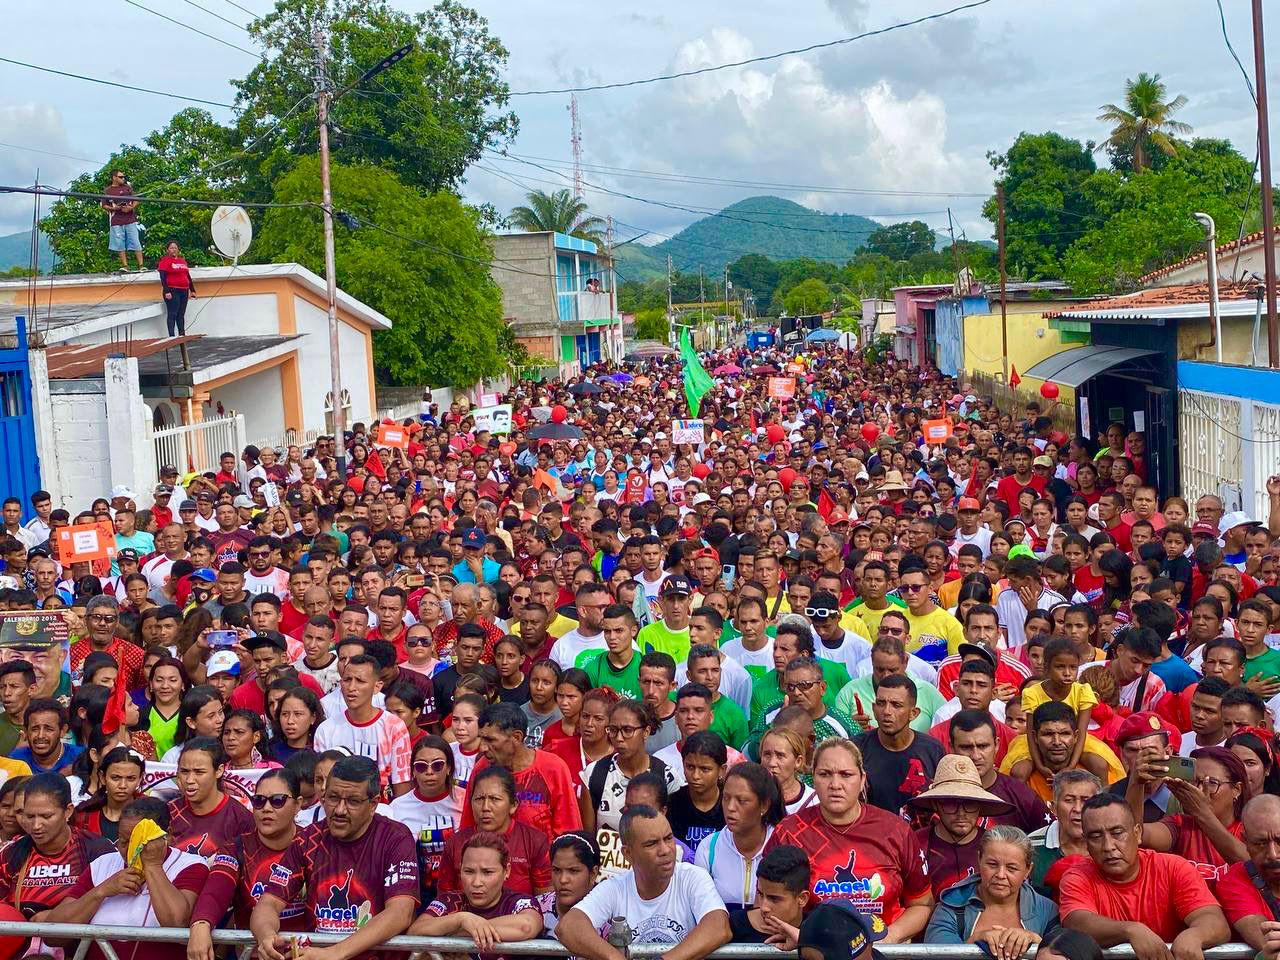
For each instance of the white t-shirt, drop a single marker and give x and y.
(733, 874)
(668, 918)
(854, 652)
(979, 538)
(156, 570)
(431, 822)
(613, 796)
(275, 580)
(134, 910)
(326, 676)
(463, 763)
(573, 644)
(1013, 615)
(335, 705)
(952, 707)
(761, 659)
(383, 739)
(807, 796)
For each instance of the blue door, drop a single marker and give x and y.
(20, 467)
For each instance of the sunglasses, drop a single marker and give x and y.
(820, 613)
(429, 766)
(801, 686)
(418, 642)
(277, 800)
(912, 587)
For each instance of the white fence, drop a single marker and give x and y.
(197, 446)
(1228, 446)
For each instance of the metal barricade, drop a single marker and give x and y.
(243, 942)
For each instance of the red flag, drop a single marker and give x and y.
(113, 716)
(825, 504)
(1014, 379)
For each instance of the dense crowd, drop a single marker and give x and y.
(811, 680)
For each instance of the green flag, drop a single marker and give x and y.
(697, 382)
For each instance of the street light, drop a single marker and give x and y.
(323, 101)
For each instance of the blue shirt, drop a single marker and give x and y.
(70, 752)
(462, 573)
(1175, 672)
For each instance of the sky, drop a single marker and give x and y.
(863, 127)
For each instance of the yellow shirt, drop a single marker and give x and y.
(870, 618)
(13, 768)
(1081, 697)
(557, 627)
(1018, 750)
(935, 635)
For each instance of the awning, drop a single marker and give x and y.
(1073, 367)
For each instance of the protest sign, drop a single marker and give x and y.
(83, 542)
(937, 431)
(495, 419)
(392, 435)
(686, 431)
(782, 388)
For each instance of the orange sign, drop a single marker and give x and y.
(392, 436)
(782, 388)
(86, 541)
(937, 431)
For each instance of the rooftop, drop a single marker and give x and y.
(160, 359)
(1177, 300)
(58, 315)
(1230, 246)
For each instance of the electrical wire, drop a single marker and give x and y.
(187, 26)
(244, 9)
(112, 83)
(178, 201)
(50, 153)
(1222, 19)
(217, 16)
(761, 59)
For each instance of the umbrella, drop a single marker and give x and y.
(823, 335)
(555, 431)
(648, 350)
(765, 371)
(585, 389)
(727, 370)
(621, 377)
(541, 414)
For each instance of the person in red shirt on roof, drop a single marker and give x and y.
(175, 280)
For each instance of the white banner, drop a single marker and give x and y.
(159, 779)
(686, 431)
(495, 419)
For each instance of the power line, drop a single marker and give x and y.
(244, 9)
(173, 201)
(762, 59)
(217, 16)
(50, 153)
(112, 83)
(1222, 19)
(187, 26)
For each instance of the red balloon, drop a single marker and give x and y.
(870, 432)
(775, 433)
(701, 471)
(559, 413)
(786, 477)
(1049, 390)
(11, 946)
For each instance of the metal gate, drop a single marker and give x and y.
(20, 466)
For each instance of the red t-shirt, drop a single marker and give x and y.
(205, 835)
(347, 882)
(548, 798)
(238, 877)
(38, 882)
(1090, 584)
(250, 696)
(1009, 670)
(1192, 844)
(528, 851)
(174, 272)
(1239, 897)
(847, 861)
(291, 618)
(1122, 533)
(1166, 890)
(1009, 487)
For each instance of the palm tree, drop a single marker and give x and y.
(560, 211)
(1144, 120)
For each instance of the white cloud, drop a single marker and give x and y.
(37, 125)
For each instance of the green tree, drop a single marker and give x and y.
(1145, 123)
(427, 118)
(1148, 220)
(560, 211)
(807, 297)
(652, 324)
(901, 241)
(1046, 209)
(167, 164)
(754, 272)
(429, 274)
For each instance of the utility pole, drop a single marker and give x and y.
(330, 268)
(613, 278)
(671, 317)
(1264, 168)
(1004, 328)
(955, 257)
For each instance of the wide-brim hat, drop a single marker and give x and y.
(893, 481)
(956, 778)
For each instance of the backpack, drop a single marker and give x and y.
(600, 774)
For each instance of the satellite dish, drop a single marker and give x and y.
(232, 231)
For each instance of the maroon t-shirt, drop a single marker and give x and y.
(949, 863)
(205, 835)
(509, 903)
(347, 882)
(238, 876)
(34, 881)
(227, 546)
(528, 852)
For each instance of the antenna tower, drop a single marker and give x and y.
(575, 141)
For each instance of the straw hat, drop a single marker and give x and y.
(956, 778)
(893, 481)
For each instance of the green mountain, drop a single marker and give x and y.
(777, 228)
(15, 251)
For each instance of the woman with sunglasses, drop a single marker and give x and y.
(432, 809)
(606, 779)
(239, 871)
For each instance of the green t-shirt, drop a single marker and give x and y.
(928, 699)
(658, 636)
(729, 722)
(767, 693)
(1266, 663)
(625, 681)
(162, 731)
(10, 733)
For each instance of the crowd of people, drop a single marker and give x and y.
(811, 680)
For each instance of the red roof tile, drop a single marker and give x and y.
(1222, 249)
(69, 361)
(1163, 297)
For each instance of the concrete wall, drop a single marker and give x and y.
(313, 361)
(1194, 338)
(1231, 266)
(77, 467)
(528, 292)
(260, 398)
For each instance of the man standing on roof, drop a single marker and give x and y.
(124, 228)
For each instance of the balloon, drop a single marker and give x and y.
(701, 471)
(11, 946)
(870, 432)
(786, 476)
(775, 433)
(1049, 390)
(559, 413)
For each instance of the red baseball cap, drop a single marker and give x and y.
(1144, 724)
(968, 503)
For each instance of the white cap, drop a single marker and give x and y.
(242, 503)
(122, 490)
(700, 499)
(1236, 518)
(222, 661)
(659, 435)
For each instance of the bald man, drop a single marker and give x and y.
(1247, 908)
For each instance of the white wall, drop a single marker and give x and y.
(313, 359)
(81, 458)
(213, 316)
(259, 397)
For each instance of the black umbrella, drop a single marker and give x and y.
(555, 431)
(585, 390)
